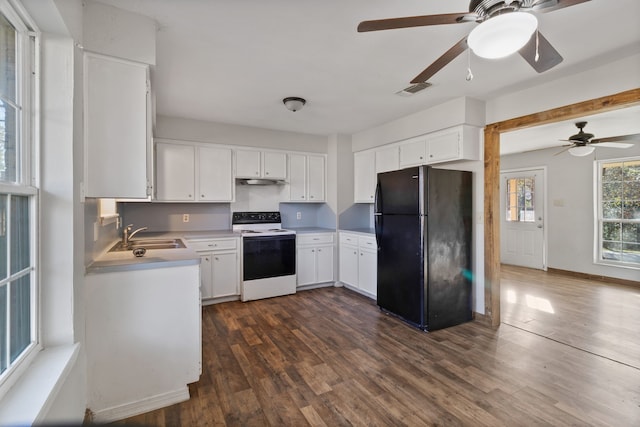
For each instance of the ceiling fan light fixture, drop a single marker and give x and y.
(502, 35)
(294, 103)
(581, 150)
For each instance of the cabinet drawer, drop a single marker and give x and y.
(312, 239)
(348, 239)
(213, 244)
(367, 242)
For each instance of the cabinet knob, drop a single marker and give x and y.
(206, 259)
(313, 250)
(311, 197)
(202, 196)
(189, 196)
(355, 253)
(430, 155)
(302, 197)
(319, 250)
(266, 173)
(217, 259)
(420, 157)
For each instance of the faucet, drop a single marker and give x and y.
(127, 234)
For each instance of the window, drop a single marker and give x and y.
(18, 196)
(619, 212)
(520, 206)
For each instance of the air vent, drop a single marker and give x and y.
(413, 89)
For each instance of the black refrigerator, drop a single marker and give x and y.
(423, 224)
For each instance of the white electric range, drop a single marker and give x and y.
(268, 255)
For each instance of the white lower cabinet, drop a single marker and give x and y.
(219, 267)
(358, 262)
(314, 258)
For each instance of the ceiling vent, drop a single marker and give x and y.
(413, 89)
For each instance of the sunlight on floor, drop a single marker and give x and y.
(537, 303)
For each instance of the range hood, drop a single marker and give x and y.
(261, 181)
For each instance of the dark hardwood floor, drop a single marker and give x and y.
(329, 357)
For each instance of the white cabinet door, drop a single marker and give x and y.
(117, 138)
(387, 159)
(364, 174)
(348, 263)
(306, 266)
(215, 174)
(297, 177)
(413, 153)
(324, 264)
(274, 165)
(175, 172)
(206, 289)
(224, 274)
(248, 164)
(316, 179)
(444, 147)
(367, 272)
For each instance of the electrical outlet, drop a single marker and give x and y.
(185, 217)
(298, 215)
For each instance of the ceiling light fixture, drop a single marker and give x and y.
(502, 35)
(581, 150)
(294, 103)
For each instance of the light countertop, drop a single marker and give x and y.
(366, 231)
(308, 230)
(155, 258)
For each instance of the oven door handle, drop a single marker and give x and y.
(270, 238)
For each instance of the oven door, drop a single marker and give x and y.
(268, 256)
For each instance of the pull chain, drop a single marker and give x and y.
(469, 73)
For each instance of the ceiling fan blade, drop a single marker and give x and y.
(439, 63)
(551, 5)
(548, 55)
(415, 21)
(560, 152)
(613, 144)
(632, 137)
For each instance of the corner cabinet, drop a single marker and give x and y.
(117, 123)
(359, 263)
(187, 172)
(314, 258)
(307, 177)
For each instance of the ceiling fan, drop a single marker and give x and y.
(582, 142)
(506, 27)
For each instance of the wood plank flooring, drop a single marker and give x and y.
(329, 357)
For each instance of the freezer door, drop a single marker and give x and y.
(398, 192)
(400, 266)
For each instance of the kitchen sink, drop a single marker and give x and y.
(148, 244)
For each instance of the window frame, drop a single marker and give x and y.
(27, 179)
(598, 217)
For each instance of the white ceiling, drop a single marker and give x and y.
(234, 61)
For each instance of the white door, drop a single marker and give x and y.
(368, 272)
(324, 264)
(364, 177)
(224, 276)
(215, 174)
(306, 272)
(175, 172)
(522, 196)
(316, 179)
(297, 177)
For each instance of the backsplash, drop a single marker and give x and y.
(169, 216)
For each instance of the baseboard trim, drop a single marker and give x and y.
(607, 279)
(482, 319)
(120, 412)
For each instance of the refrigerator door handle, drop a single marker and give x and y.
(377, 218)
(377, 202)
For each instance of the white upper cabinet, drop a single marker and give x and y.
(274, 165)
(387, 159)
(214, 173)
(413, 153)
(364, 172)
(175, 172)
(261, 164)
(116, 128)
(188, 172)
(307, 178)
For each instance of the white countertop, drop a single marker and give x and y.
(155, 258)
(306, 230)
(365, 231)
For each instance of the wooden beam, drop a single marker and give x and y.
(492, 179)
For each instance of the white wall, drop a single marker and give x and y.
(570, 207)
(570, 179)
(608, 79)
(230, 134)
(115, 32)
